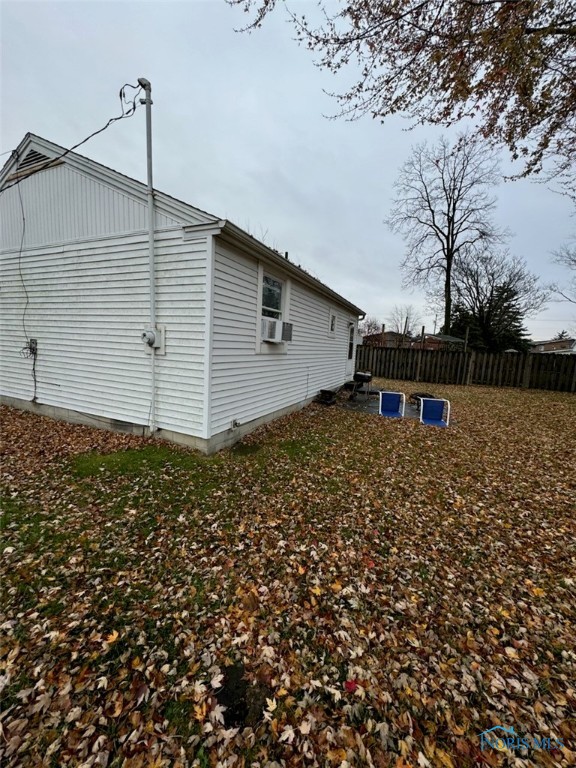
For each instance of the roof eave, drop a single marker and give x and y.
(225, 229)
(234, 235)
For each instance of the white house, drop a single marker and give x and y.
(565, 346)
(190, 328)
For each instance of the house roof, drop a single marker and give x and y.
(193, 219)
(445, 337)
(554, 347)
(380, 334)
(166, 204)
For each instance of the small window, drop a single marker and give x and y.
(272, 297)
(332, 324)
(351, 343)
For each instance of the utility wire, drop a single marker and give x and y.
(29, 349)
(124, 102)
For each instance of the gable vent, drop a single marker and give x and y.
(33, 161)
(32, 158)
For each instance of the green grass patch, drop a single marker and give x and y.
(137, 460)
(202, 757)
(51, 609)
(10, 693)
(245, 449)
(306, 447)
(32, 528)
(180, 715)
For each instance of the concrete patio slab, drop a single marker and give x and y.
(371, 404)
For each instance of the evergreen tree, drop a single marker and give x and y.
(493, 295)
(493, 327)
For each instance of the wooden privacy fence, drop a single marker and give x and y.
(507, 369)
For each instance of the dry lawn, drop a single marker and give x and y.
(338, 590)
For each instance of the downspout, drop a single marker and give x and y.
(145, 84)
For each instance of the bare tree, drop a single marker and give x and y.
(443, 207)
(403, 318)
(566, 257)
(370, 325)
(480, 278)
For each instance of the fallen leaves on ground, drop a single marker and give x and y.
(338, 590)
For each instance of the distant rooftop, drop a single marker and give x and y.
(445, 337)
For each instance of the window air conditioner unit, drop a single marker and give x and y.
(286, 331)
(271, 330)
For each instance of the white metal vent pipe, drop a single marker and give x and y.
(151, 256)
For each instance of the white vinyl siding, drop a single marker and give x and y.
(78, 283)
(181, 307)
(246, 384)
(88, 305)
(79, 208)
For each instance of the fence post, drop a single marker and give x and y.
(471, 363)
(418, 363)
(529, 357)
(461, 369)
(520, 371)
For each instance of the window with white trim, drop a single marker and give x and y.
(272, 290)
(351, 342)
(332, 323)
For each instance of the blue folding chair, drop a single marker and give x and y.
(432, 412)
(392, 404)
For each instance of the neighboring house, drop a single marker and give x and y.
(439, 341)
(384, 339)
(241, 334)
(558, 346)
(394, 340)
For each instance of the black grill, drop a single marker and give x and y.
(363, 377)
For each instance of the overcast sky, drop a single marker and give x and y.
(239, 131)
